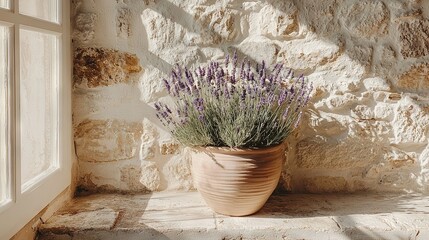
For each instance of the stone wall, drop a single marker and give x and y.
(367, 127)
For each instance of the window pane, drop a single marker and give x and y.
(4, 72)
(43, 9)
(38, 105)
(4, 4)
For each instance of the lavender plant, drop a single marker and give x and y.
(232, 104)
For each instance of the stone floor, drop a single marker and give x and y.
(179, 215)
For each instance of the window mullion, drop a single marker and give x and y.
(15, 17)
(16, 6)
(16, 133)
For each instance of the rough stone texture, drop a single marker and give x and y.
(308, 53)
(123, 19)
(84, 27)
(319, 17)
(325, 184)
(366, 18)
(366, 128)
(219, 24)
(314, 153)
(107, 141)
(424, 161)
(103, 67)
(161, 32)
(169, 148)
(149, 176)
(414, 33)
(278, 19)
(149, 137)
(179, 168)
(376, 84)
(341, 101)
(258, 49)
(130, 175)
(415, 79)
(296, 216)
(411, 123)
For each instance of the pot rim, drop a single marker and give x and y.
(229, 150)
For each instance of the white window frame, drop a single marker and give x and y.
(22, 207)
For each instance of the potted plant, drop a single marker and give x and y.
(235, 117)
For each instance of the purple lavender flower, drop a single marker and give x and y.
(243, 95)
(157, 106)
(167, 85)
(210, 98)
(252, 77)
(234, 67)
(277, 73)
(242, 69)
(282, 97)
(286, 112)
(199, 104)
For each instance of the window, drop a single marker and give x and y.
(4, 4)
(35, 108)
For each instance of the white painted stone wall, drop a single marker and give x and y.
(367, 127)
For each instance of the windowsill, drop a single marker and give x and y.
(184, 215)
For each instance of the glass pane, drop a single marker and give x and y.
(43, 9)
(4, 71)
(4, 4)
(38, 105)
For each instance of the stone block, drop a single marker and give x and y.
(130, 175)
(217, 24)
(84, 28)
(161, 31)
(411, 122)
(376, 84)
(370, 130)
(413, 35)
(325, 184)
(278, 19)
(362, 112)
(316, 153)
(383, 111)
(123, 22)
(341, 101)
(150, 176)
(98, 67)
(178, 172)
(168, 148)
(259, 49)
(366, 18)
(107, 140)
(308, 53)
(149, 139)
(415, 79)
(319, 15)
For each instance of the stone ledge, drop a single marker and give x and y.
(183, 215)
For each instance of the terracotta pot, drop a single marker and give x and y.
(236, 182)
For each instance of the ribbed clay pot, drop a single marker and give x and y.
(236, 182)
